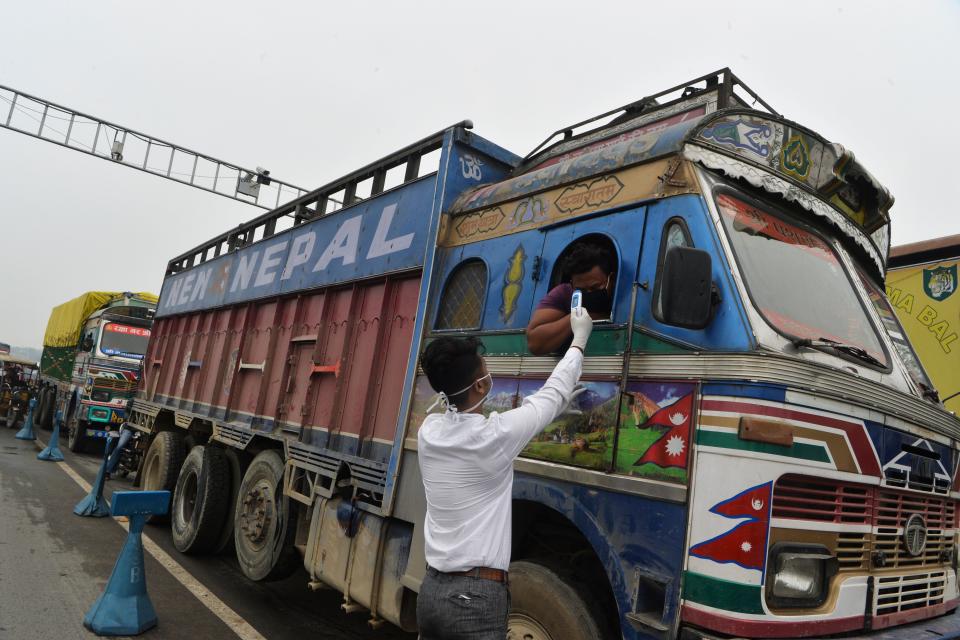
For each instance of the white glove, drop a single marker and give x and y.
(577, 390)
(582, 325)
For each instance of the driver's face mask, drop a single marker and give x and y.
(598, 301)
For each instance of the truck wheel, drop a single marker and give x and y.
(238, 466)
(201, 500)
(76, 440)
(546, 606)
(45, 410)
(263, 522)
(161, 466)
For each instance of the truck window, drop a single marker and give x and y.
(561, 270)
(675, 234)
(795, 278)
(896, 332)
(461, 305)
(123, 340)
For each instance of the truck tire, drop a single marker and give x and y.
(238, 466)
(263, 521)
(201, 500)
(545, 605)
(161, 465)
(76, 441)
(45, 408)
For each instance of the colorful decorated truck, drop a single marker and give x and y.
(755, 456)
(90, 364)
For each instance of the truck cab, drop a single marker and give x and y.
(106, 370)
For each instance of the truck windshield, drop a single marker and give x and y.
(123, 340)
(796, 279)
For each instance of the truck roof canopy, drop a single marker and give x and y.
(66, 320)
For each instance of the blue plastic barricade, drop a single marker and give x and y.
(124, 608)
(26, 432)
(94, 506)
(52, 451)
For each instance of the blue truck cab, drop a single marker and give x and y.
(760, 452)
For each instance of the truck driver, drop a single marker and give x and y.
(589, 267)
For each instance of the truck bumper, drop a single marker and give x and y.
(945, 627)
(101, 420)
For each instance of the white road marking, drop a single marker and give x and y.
(218, 607)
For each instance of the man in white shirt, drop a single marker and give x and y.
(466, 461)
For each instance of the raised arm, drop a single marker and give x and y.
(520, 425)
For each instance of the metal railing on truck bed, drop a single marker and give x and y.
(336, 195)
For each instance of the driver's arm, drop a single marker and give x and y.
(548, 331)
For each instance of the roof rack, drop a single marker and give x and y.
(336, 195)
(723, 79)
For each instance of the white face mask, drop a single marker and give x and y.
(484, 398)
(444, 400)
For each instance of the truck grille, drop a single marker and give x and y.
(114, 384)
(892, 511)
(894, 594)
(807, 498)
(884, 510)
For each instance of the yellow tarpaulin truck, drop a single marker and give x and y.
(90, 365)
(922, 287)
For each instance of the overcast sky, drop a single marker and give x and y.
(313, 90)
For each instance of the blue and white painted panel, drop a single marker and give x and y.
(382, 235)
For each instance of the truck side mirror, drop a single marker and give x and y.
(86, 344)
(687, 288)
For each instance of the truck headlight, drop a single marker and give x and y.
(799, 575)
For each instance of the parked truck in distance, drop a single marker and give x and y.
(90, 364)
(756, 455)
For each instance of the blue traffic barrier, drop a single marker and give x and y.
(26, 432)
(94, 506)
(124, 608)
(52, 451)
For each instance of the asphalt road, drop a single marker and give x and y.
(54, 564)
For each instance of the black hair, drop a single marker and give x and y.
(584, 256)
(452, 363)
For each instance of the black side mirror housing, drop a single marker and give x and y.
(687, 288)
(86, 344)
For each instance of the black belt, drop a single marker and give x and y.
(484, 573)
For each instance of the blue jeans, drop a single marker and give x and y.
(114, 459)
(462, 608)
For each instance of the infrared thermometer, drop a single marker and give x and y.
(577, 300)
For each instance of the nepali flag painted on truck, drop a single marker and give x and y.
(746, 543)
(671, 448)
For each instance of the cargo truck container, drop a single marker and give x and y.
(755, 456)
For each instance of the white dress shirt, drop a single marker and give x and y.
(466, 461)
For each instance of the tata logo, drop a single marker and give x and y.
(915, 535)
